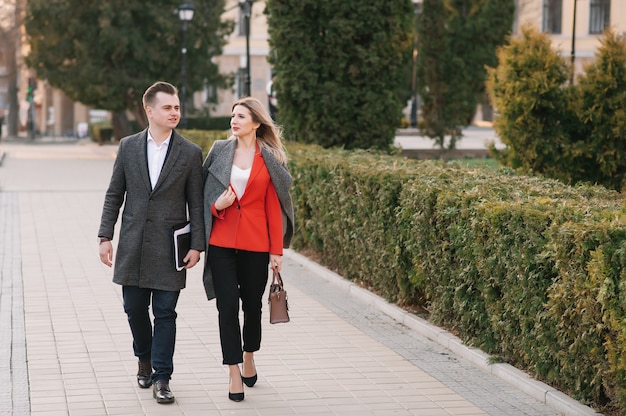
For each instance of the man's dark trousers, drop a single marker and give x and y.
(158, 347)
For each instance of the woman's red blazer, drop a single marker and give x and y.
(254, 222)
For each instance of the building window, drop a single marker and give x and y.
(209, 93)
(552, 10)
(599, 15)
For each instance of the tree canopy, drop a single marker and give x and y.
(339, 68)
(105, 54)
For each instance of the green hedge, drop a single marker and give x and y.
(208, 123)
(204, 138)
(528, 269)
(101, 132)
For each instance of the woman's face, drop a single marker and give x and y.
(241, 122)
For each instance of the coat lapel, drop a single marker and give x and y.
(257, 166)
(142, 153)
(170, 160)
(222, 162)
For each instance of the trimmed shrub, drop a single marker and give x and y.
(101, 132)
(208, 123)
(340, 69)
(204, 138)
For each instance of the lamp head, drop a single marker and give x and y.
(185, 12)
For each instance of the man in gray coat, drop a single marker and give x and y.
(157, 176)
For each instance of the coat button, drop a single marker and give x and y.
(238, 206)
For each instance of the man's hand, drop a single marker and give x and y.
(105, 251)
(192, 258)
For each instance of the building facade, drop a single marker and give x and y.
(39, 108)
(234, 57)
(575, 26)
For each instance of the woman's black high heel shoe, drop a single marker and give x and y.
(236, 397)
(249, 381)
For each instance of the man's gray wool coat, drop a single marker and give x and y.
(216, 171)
(145, 251)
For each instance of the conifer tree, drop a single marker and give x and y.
(457, 39)
(433, 83)
(599, 148)
(534, 105)
(575, 133)
(339, 67)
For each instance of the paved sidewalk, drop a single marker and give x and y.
(66, 348)
(474, 137)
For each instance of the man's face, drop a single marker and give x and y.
(164, 111)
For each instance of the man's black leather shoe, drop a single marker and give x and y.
(162, 393)
(143, 374)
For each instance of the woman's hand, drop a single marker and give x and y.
(225, 200)
(276, 262)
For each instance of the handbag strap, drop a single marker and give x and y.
(276, 279)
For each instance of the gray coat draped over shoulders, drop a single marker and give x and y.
(216, 170)
(145, 251)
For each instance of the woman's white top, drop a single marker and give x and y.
(239, 180)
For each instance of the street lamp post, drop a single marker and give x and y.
(573, 57)
(414, 103)
(185, 14)
(246, 8)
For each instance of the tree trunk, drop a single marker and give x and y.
(121, 125)
(140, 116)
(14, 109)
(11, 47)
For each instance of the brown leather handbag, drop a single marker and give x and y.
(279, 308)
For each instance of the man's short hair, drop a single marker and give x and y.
(159, 86)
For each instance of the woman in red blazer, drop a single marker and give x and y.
(246, 194)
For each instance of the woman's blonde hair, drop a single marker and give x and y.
(269, 135)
